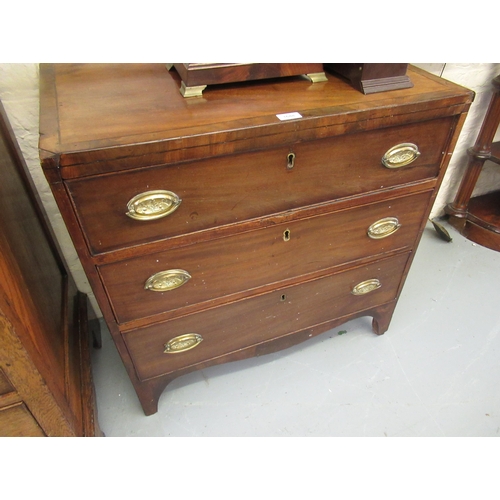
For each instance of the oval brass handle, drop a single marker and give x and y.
(167, 280)
(152, 205)
(366, 287)
(182, 343)
(383, 228)
(290, 160)
(401, 155)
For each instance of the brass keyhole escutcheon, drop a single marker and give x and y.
(286, 235)
(283, 298)
(290, 160)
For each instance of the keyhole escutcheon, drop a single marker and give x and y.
(290, 160)
(286, 235)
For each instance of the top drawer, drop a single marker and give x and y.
(223, 190)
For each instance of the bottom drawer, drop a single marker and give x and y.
(167, 347)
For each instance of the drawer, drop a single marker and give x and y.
(251, 321)
(218, 268)
(208, 193)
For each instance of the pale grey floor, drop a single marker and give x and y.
(436, 372)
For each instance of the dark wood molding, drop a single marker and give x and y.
(44, 334)
(478, 218)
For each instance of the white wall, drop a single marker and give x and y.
(19, 94)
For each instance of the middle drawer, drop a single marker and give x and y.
(152, 284)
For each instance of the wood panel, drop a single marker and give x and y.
(42, 314)
(17, 421)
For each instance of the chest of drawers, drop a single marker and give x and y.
(244, 221)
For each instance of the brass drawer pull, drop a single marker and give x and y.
(366, 287)
(401, 155)
(182, 343)
(167, 280)
(152, 205)
(383, 228)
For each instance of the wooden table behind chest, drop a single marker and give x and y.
(214, 228)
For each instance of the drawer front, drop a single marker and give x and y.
(249, 322)
(250, 260)
(209, 193)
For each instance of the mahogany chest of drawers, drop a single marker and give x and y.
(244, 221)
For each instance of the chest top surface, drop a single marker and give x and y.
(95, 112)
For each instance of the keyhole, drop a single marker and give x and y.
(286, 235)
(283, 298)
(290, 161)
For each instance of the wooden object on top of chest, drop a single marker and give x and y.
(373, 77)
(196, 76)
(46, 384)
(245, 221)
